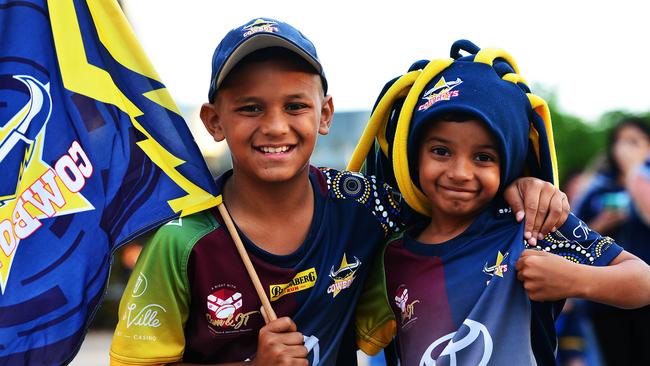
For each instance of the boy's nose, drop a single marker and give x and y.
(460, 169)
(275, 123)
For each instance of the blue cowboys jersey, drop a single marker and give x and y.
(460, 302)
(191, 299)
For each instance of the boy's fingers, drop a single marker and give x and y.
(531, 203)
(566, 210)
(545, 196)
(554, 214)
(293, 339)
(512, 196)
(281, 325)
(299, 351)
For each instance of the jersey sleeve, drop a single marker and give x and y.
(378, 197)
(576, 242)
(374, 320)
(155, 304)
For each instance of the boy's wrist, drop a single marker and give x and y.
(580, 285)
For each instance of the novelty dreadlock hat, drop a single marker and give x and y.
(487, 85)
(476, 89)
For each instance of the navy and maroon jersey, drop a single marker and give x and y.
(190, 298)
(460, 302)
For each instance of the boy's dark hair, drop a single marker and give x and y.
(271, 54)
(642, 124)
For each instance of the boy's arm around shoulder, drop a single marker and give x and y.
(623, 281)
(155, 303)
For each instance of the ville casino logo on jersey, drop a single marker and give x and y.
(31, 190)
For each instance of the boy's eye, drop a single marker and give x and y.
(295, 106)
(250, 108)
(485, 157)
(440, 151)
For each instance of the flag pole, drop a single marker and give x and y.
(266, 304)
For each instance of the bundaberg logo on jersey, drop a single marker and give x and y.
(301, 281)
(343, 276)
(33, 190)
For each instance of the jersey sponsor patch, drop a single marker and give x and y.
(343, 276)
(302, 281)
(225, 310)
(406, 308)
(474, 341)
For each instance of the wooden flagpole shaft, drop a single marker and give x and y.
(247, 262)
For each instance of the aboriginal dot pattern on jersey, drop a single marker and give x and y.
(378, 197)
(575, 252)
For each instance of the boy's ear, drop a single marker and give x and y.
(212, 121)
(326, 114)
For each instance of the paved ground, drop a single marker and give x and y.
(94, 350)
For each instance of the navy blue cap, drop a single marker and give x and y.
(257, 34)
(477, 89)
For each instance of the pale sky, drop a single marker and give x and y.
(594, 54)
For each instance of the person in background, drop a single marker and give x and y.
(608, 207)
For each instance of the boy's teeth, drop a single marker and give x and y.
(274, 150)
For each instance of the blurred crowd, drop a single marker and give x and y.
(611, 196)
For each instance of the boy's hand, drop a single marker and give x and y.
(544, 206)
(546, 276)
(280, 343)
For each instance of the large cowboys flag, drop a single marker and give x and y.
(93, 152)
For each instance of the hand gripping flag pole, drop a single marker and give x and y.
(266, 304)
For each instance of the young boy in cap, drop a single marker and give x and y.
(310, 232)
(458, 288)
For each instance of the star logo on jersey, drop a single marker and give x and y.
(343, 276)
(407, 309)
(31, 189)
(498, 269)
(260, 25)
(225, 309)
(441, 91)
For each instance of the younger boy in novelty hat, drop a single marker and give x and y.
(462, 285)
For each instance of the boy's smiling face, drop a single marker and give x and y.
(458, 167)
(270, 114)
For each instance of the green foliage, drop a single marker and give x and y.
(577, 143)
